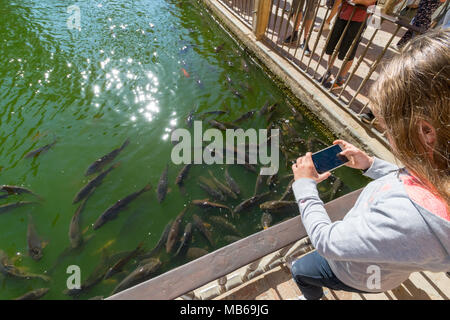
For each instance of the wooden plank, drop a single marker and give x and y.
(223, 261)
(263, 10)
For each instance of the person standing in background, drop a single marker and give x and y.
(308, 14)
(422, 19)
(358, 16)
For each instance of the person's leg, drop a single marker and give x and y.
(345, 70)
(308, 24)
(331, 60)
(312, 272)
(292, 38)
(347, 42)
(304, 45)
(333, 12)
(331, 45)
(299, 21)
(308, 13)
(334, 39)
(310, 10)
(422, 19)
(341, 77)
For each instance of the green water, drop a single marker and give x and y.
(118, 77)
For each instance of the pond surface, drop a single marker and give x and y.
(135, 70)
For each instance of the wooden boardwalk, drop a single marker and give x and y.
(278, 284)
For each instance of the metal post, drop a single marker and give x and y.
(338, 46)
(326, 43)
(358, 63)
(297, 13)
(276, 18)
(319, 34)
(283, 12)
(311, 30)
(374, 65)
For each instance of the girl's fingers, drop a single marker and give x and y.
(352, 160)
(347, 153)
(308, 159)
(350, 155)
(344, 143)
(324, 176)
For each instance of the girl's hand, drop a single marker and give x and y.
(358, 159)
(304, 168)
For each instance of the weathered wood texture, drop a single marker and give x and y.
(263, 9)
(223, 261)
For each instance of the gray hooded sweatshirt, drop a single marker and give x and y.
(396, 227)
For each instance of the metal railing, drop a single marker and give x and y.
(352, 94)
(377, 32)
(243, 9)
(251, 256)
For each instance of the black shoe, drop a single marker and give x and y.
(292, 38)
(307, 50)
(325, 77)
(327, 84)
(367, 117)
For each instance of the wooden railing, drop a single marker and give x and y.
(283, 241)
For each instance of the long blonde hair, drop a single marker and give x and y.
(415, 86)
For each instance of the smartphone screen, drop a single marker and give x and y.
(328, 159)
